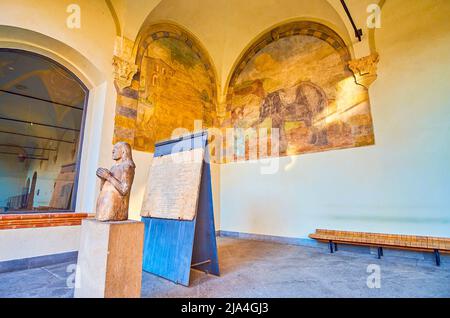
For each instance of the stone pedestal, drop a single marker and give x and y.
(110, 260)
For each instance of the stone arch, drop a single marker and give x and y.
(286, 29)
(296, 78)
(172, 30)
(139, 105)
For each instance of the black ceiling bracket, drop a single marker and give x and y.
(358, 32)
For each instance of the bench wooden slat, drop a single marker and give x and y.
(378, 239)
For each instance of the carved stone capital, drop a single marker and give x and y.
(123, 72)
(365, 69)
(124, 67)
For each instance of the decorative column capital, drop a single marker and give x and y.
(123, 72)
(365, 69)
(124, 67)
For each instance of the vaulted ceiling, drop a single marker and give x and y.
(129, 15)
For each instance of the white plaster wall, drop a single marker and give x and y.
(94, 40)
(143, 162)
(26, 243)
(400, 185)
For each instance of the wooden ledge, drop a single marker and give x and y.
(39, 220)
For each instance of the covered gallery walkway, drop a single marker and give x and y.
(326, 115)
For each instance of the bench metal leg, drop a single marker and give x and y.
(335, 247)
(380, 252)
(331, 247)
(438, 257)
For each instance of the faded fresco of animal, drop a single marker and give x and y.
(302, 86)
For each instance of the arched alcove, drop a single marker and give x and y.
(295, 78)
(174, 86)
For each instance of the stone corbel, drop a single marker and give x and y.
(365, 69)
(124, 66)
(123, 72)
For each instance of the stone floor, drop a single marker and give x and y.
(260, 269)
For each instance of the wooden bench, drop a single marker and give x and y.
(436, 245)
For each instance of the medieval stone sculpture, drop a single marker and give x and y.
(115, 188)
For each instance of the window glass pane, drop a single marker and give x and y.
(41, 113)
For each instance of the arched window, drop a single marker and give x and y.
(42, 107)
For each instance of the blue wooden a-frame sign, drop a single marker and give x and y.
(172, 247)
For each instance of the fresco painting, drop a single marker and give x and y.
(301, 85)
(295, 79)
(175, 90)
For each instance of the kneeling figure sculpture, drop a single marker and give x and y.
(112, 203)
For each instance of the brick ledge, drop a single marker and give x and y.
(40, 220)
